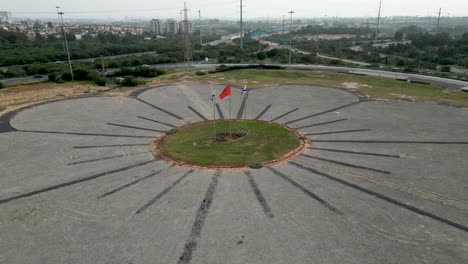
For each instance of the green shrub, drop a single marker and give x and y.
(146, 72)
(99, 80)
(32, 69)
(54, 77)
(256, 165)
(200, 73)
(130, 81)
(408, 69)
(8, 74)
(124, 71)
(2, 85)
(445, 69)
(66, 76)
(447, 61)
(261, 55)
(172, 131)
(81, 74)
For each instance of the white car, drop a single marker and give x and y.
(465, 89)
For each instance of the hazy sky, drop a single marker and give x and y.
(230, 9)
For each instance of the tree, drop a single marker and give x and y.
(54, 77)
(445, 69)
(261, 55)
(398, 35)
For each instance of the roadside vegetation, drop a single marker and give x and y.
(409, 49)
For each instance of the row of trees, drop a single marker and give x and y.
(425, 50)
(16, 49)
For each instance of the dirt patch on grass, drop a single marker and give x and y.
(20, 96)
(404, 96)
(354, 85)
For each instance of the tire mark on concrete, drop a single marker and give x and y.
(345, 164)
(200, 218)
(197, 113)
(357, 152)
(133, 182)
(263, 112)
(306, 191)
(156, 121)
(421, 193)
(165, 191)
(383, 197)
(321, 113)
(137, 128)
(73, 182)
(83, 134)
(242, 107)
(259, 195)
(337, 132)
(107, 158)
(285, 114)
(323, 123)
(159, 108)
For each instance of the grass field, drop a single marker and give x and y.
(264, 142)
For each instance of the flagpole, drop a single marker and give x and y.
(245, 109)
(214, 113)
(214, 122)
(230, 119)
(245, 114)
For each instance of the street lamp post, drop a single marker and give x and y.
(61, 29)
(290, 48)
(66, 44)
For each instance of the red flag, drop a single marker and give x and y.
(225, 92)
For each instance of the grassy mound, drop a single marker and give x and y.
(262, 142)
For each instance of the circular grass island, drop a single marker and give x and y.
(250, 142)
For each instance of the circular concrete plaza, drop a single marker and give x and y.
(380, 182)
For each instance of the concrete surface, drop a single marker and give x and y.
(383, 182)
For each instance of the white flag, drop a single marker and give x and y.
(244, 90)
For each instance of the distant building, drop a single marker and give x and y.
(156, 26)
(172, 27)
(4, 15)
